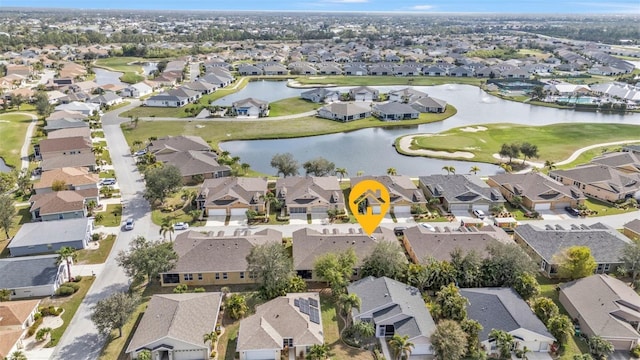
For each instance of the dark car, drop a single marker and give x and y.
(572, 211)
(399, 230)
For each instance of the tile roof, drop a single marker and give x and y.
(74, 176)
(16, 312)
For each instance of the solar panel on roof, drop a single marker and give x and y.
(314, 315)
(304, 306)
(313, 302)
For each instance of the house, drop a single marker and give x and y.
(86, 159)
(503, 309)
(319, 95)
(49, 236)
(344, 111)
(73, 179)
(421, 243)
(403, 193)
(632, 229)
(185, 93)
(66, 114)
(275, 69)
(364, 93)
(406, 95)
(357, 70)
(59, 124)
(394, 111)
(15, 319)
(603, 306)
(625, 161)
(285, 326)
(460, 192)
(137, 90)
(80, 97)
(106, 99)
(309, 245)
(164, 99)
(173, 325)
(429, 105)
(434, 71)
(460, 71)
(50, 148)
(600, 181)
(195, 166)
(85, 132)
(232, 196)
(310, 195)
(207, 259)
(248, 69)
(86, 109)
(200, 86)
(394, 308)
(32, 276)
(171, 144)
(545, 245)
(58, 205)
(566, 89)
(537, 191)
(251, 107)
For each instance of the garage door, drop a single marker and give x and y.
(260, 355)
(421, 349)
(458, 206)
(542, 206)
(238, 212)
(484, 208)
(402, 210)
(561, 205)
(319, 210)
(217, 212)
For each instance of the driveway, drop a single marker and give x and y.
(216, 220)
(552, 215)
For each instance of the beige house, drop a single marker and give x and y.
(600, 181)
(51, 148)
(232, 196)
(310, 195)
(58, 205)
(538, 191)
(207, 259)
(195, 166)
(632, 229)
(15, 319)
(73, 178)
(403, 193)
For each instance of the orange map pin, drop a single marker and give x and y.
(369, 203)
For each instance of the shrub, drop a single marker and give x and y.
(74, 285)
(199, 290)
(37, 315)
(65, 291)
(95, 237)
(34, 327)
(635, 352)
(77, 279)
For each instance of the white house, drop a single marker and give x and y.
(137, 90)
(32, 276)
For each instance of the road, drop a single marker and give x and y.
(194, 71)
(26, 146)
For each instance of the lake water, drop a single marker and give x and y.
(371, 151)
(104, 77)
(4, 167)
(148, 67)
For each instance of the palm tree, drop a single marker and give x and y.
(136, 143)
(504, 342)
(342, 172)
(392, 171)
(68, 255)
(91, 205)
(269, 200)
(449, 169)
(474, 169)
(549, 165)
(17, 355)
(360, 173)
(245, 167)
(348, 302)
(506, 167)
(98, 149)
(364, 330)
(210, 338)
(401, 346)
(165, 228)
(318, 352)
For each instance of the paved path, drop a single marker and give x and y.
(26, 146)
(232, 119)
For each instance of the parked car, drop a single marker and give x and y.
(180, 226)
(572, 211)
(140, 152)
(479, 214)
(399, 230)
(129, 224)
(107, 181)
(428, 227)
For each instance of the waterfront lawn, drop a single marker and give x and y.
(290, 106)
(341, 80)
(555, 142)
(13, 128)
(131, 73)
(218, 131)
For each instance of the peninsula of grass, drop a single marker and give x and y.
(290, 106)
(129, 66)
(215, 132)
(341, 80)
(13, 128)
(555, 142)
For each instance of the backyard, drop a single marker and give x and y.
(294, 105)
(13, 128)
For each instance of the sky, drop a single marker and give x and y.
(426, 6)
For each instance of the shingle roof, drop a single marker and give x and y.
(193, 162)
(47, 232)
(232, 190)
(28, 271)
(16, 312)
(400, 187)
(250, 102)
(633, 225)
(72, 143)
(536, 186)
(78, 160)
(70, 176)
(458, 189)
(606, 243)
(602, 176)
(394, 108)
(179, 143)
(502, 309)
(85, 132)
(278, 319)
(310, 191)
(346, 109)
(61, 201)
(379, 293)
(429, 102)
(184, 317)
(64, 123)
(628, 160)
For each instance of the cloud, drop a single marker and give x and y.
(422, 7)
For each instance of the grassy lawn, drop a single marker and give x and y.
(22, 216)
(107, 174)
(13, 128)
(99, 255)
(331, 325)
(70, 305)
(604, 208)
(132, 73)
(180, 213)
(534, 52)
(386, 80)
(228, 340)
(97, 134)
(112, 216)
(294, 105)
(555, 142)
(216, 132)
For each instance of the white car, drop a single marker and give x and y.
(479, 214)
(180, 226)
(428, 227)
(129, 224)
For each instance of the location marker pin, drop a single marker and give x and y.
(369, 203)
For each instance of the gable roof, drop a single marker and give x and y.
(536, 186)
(193, 162)
(47, 232)
(309, 190)
(179, 143)
(65, 123)
(459, 188)
(62, 144)
(28, 271)
(66, 114)
(78, 160)
(633, 225)
(309, 244)
(394, 108)
(626, 161)
(602, 176)
(502, 309)
(232, 190)
(400, 187)
(250, 102)
(184, 317)
(278, 319)
(70, 175)
(603, 303)
(61, 201)
(16, 312)
(84, 131)
(429, 102)
(606, 243)
(346, 108)
(208, 253)
(385, 299)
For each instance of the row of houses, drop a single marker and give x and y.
(187, 93)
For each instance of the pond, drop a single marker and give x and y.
(371, 150)
(262, 90)
(4, 167)
(148, 67)
(104, 77)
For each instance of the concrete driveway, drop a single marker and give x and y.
(216, 221)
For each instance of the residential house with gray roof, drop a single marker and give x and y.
(460, 192)
(137, 90)
(537, 191)
(319, 95)
(173, 325)
(600, 181)
(49, 236)
(309, 244)
(286, 326)
(250, 107)
(210, 259)
(604, 306)
(429, 105)
(200, 86)
(394, 111)
(165, 99)
(32, 276)
(545, 245)
(364, 93)
(64, 123)
(85, 159)
(503, 309)
(108, 98)
(195, 166)
(632, 229)
(394, 308)
(344, 111)
(248, 69)
(625, 161)
(403, 193)
(232, 196)
(314, 195)
(170, 144)
(406, 95)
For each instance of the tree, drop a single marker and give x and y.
(318, 352)
(161, 182)
(475, 169)
(630, 258)
(348, 302)
(537, 92)
(386, 259)
(575, 262)
(245, 168)
(439, 274)
(236, 305)
(7, 181)
(528, 151)
(336, 269)
(509, 151)
(23, 181)
(600, 347)
(504, 342)
(342, 172)
(113, 312)
(449, 304)
(17, 100)
(42, 333)
(506, 167)
(5, 294)
(67, 254)
(58, 185)
(137, 143)
(472, 328)
(561, 327)
(7, 212)
(285, 164)
(504, 264)
(165, 228)
(43, 107)
(526, 286)
(467, 268)
(272, 267)
(392, 171)
(549, 165)
(269, 199)
(319, 167)
(144, 355)
(449, 341)
(364, 330)
(401, 345)
(544, 308)
(147, 259)
(17, 355)
(449, 169)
